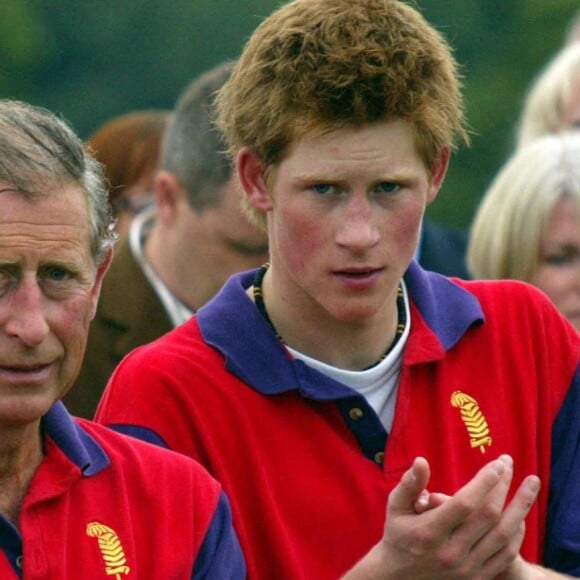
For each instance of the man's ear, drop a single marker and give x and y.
(252, 174)
(96, 290)
(167, 193)
(438, 172)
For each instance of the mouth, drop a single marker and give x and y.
(358, 272)
(35, 373)
(359, 277)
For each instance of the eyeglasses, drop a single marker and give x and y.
(133, 203)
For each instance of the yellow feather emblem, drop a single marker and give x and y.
(473, 419)
(111, 549)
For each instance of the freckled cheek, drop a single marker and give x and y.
(300, 237)
(404, 226)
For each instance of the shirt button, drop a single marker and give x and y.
(19, 562)
(356, 414)
(379, 457)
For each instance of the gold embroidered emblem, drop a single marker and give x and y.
(111, 549)
(473, 419)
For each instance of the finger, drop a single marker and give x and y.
(422, 503)
(428, 501)
(506, 561)
(460, 507)
(488, 513)
(411, 486)
(506, 537)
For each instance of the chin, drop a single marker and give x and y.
(357, 314)
(24, 411)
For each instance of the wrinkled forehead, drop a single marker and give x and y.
(58, 216)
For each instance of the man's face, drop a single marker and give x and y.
(48, 292)
(346, 213)
(221, 239)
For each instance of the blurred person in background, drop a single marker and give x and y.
(527, 226)
(442, 249)
(178, 253)
(573, 29)
(129, 146)
(552, 103)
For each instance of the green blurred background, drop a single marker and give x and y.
(90, 60)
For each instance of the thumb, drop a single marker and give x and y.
(411, 486)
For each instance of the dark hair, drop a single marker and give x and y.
(194, 149)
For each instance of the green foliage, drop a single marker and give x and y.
(91, 60)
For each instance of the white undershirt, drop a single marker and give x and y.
(139, 230)
(379, 384)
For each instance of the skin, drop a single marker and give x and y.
(344, 211)
(558, 273)
(470, 535)
(134, 199)
(571, 109)
(49, 286)
(194, 253)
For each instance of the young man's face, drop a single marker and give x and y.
(48, 292)
(346, 211)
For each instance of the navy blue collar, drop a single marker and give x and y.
(73, 441)
(447, 308)
(232, 324)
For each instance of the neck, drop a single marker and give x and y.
(350, 345)
(184, 275)
(21, 454)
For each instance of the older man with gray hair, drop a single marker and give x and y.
(78, 500)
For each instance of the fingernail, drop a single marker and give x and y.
(498, 466)
(534, 483)
(507, 460)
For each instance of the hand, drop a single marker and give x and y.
(471, 534)
(521, 570)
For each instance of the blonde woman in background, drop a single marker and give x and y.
(552, 104)
(527, 226)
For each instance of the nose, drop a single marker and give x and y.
(358, 231)
(26, 319)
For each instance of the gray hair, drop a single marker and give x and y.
(193, 147)
(38, 151)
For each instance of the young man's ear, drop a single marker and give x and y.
(167, 193)
(438, 172)
(252, 174)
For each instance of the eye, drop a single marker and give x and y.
(56, 274)
(324, 188)
(7, 278)
(387, 187)
(59, 282)
(564, 258)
